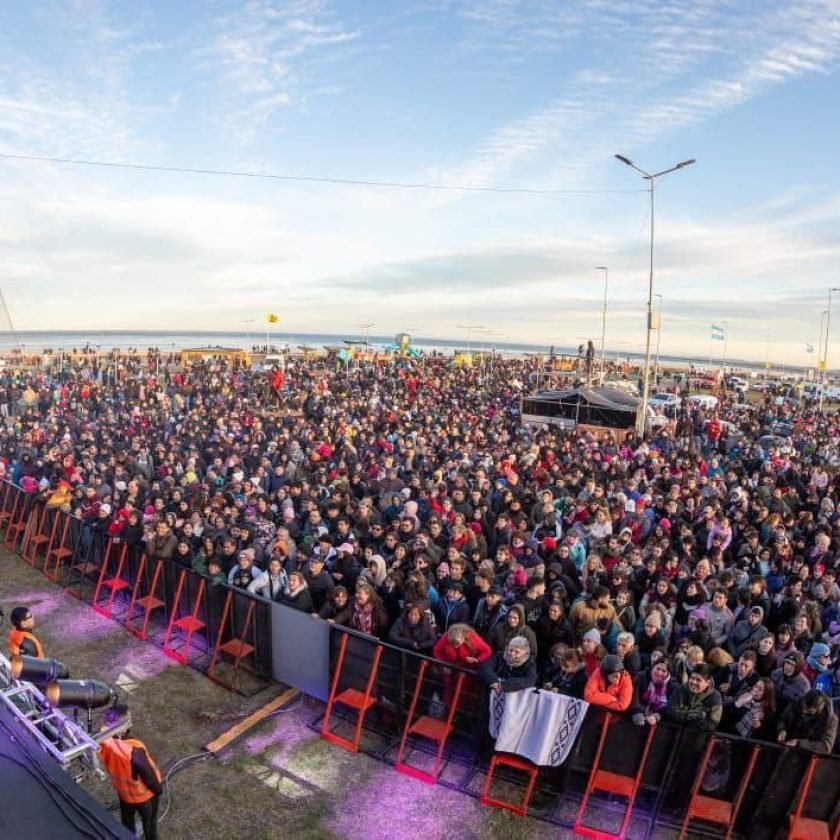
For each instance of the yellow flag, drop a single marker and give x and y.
(272, 319)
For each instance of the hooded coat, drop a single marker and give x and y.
(745, 636)
(502, 633)
(790, 688)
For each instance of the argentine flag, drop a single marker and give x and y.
(718, 333)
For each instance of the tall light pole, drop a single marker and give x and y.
(658, 334)
(767, 358)
(820, 345)
(825, 355)
(650, 177)
(248, 321)
(469, 328)
(604, 312)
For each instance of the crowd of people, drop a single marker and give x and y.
(690, 577)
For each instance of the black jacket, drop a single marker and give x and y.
(496, 670)
(700, 711)
(420, 637)
(572, 685)
(814, 732)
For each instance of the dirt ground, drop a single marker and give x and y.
(280, 780)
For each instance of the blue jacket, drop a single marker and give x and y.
(826, 683)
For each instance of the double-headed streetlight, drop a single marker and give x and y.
(650, 177)
(825, 354)
(604, 312)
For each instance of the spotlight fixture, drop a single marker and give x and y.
(85, 694)
(38, 671)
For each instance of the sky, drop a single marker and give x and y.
(535, 97)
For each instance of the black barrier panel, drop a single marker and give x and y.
(396, 683)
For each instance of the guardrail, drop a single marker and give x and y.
(220, 630)
(676, 757)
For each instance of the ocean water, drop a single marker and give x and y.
(37, 341)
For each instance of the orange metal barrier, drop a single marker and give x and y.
(186, 624)
(429, 727)
(807, 828)
(111, 577)
(37, 535)
(516, 763)
(147, 602)
(238, 646)
(350, 697)
(614, 784)
(59, 548)
(17, 522)
(717, 811)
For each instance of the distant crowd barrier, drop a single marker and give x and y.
(220, 630)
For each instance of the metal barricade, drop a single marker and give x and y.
(753, 784)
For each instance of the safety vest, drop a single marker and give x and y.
(116, 756)
(18, 637)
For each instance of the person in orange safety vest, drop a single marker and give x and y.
(134, 774)
(22, 641)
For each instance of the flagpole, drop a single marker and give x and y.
(725, 344)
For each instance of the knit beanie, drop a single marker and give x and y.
(592, 635)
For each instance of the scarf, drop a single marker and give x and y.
(656, 696)
(363, 618)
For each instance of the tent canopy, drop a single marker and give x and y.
(611, 408)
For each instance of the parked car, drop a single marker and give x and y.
(669, 403)
(707, 401)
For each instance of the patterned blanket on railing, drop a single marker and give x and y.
(538, 725)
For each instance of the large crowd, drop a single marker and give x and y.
(690, 577)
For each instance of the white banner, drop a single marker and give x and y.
(538, 725)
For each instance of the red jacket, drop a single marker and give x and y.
(473, 646)
(613, 696)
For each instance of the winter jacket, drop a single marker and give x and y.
(572, 685)
(502, 633)
(485, 621)
(721, 623)
(452, 612)
(615, 697)
(511, 678)
(585, 613)
(420, 637)
(815, 733)
(745, 636)
(792, 688)
(473, 646)
(700, 711)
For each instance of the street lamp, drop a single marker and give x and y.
(604, 313)
(825, 355)
(469, 328)
(658, 334)
(650, 177)
(248, 321)
(820, 345)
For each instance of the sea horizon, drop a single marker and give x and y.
(172, 340)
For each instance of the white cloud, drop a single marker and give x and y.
(263, 51)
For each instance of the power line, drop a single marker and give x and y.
(350, 182)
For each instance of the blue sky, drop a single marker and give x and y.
(502, 93)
